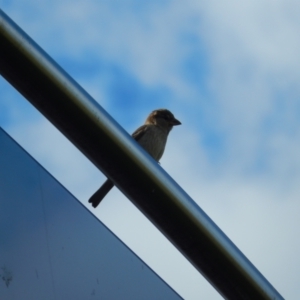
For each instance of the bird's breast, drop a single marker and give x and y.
(154, 142)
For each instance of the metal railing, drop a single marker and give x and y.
(85, 123)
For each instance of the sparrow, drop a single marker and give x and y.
(152, 136)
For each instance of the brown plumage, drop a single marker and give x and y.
(152, 136)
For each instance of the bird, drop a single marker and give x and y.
(152, 136)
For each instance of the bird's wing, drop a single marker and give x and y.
(137, 135)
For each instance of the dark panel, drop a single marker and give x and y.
(52, 247)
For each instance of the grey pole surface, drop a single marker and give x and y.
(85, 123)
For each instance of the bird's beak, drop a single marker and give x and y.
(175, 122)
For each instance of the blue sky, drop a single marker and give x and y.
(229, 71)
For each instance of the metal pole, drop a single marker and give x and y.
(85, 123)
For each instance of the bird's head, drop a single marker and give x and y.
(163, 118)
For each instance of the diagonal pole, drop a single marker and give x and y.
(85, 123)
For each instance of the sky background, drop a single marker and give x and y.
(229, 71)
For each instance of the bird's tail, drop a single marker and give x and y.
(101, 193)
